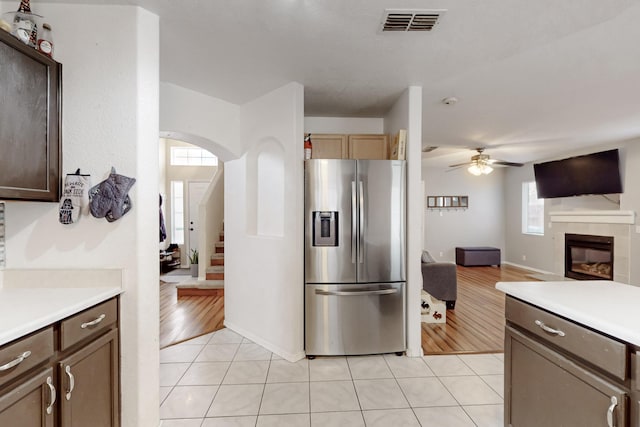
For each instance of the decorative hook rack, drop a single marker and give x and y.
(447, 202)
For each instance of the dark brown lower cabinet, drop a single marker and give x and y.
(66, 375)
(548, 389)
(31, 404)
(89, 384)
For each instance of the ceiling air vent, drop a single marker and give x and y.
(410, 20)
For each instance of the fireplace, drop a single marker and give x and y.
(588, 257)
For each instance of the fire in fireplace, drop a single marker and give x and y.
(588, 257)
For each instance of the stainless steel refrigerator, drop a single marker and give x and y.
(355, 256)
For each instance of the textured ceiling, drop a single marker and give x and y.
(533, 78)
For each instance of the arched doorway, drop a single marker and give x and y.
(191, 306)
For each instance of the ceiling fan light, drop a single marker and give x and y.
(478, 169)
(474, 169)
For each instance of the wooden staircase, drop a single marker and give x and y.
(216, 269)
(213, 285)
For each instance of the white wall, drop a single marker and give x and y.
(110, 118)
(264, 271)
(630, 200)
(538, 250)
(201, 120)
(407, 114)
(482, 224)
(343, 125)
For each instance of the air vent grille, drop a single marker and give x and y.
(410, 20)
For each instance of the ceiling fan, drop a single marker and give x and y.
(483, 163)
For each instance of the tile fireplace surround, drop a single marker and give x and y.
(598, 223)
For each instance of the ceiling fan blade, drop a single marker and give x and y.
(460, 165)
(456, 167)
(504, 163)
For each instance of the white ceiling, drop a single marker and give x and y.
(534, 78)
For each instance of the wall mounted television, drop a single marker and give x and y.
(597, 173)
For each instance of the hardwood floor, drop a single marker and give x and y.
(475, 326)
(187, 317)
(477, 323)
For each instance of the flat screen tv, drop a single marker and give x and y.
(597, 173)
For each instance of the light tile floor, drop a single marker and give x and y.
(224, 380)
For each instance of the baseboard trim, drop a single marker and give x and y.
(526, 267)
(291, 357)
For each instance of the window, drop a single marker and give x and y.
(192, 156)
(177, 212)
(532, 210)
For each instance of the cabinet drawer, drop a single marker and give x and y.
(599, 350)
(25, 353)
(89, 323)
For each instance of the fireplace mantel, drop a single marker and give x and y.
(594, 217)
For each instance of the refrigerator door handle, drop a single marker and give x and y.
(361, 225)
(357, 293)
(354, 223)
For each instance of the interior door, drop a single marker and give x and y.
(381, 219)
(196, 192)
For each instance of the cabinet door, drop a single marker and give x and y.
(30, 142)
(368, 147)
(329, 146)
(89, 386)
(31, 404)
(544, 388)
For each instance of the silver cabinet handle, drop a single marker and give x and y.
(52, 393)
(72, 382)
(357, 293)
(610, 420)
(550, 330)
(93, 322)
(354, 222)
(15, 361)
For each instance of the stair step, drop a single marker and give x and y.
(221, 237)
(201, 288)
(215, 273)
(220, 247)
(195, 292)
(217, 259)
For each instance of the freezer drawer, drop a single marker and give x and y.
(354, 319)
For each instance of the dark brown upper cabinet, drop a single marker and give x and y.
(30, 122)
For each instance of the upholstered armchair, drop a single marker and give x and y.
(439, 279)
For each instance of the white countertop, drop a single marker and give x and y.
(23, 311)
(609, 307)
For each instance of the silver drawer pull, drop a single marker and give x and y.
(15, 361)
(610, 420)
(52, 392)
(72, 381)
(548, 329)
(93, 322)
(357, 293)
